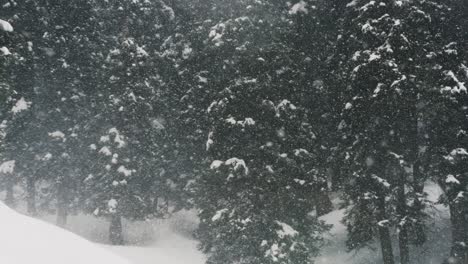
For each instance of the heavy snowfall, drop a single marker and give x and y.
(234, 132)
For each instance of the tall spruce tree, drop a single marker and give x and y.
(136, 178)
(386, 48)
(245, 105)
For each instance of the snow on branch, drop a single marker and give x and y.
(7, 166)
(5, 26)
(300, 7)
(21, 105)
(237, 164)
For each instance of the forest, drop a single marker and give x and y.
(258, 114)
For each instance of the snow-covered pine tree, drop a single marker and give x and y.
(385, 46)
(446, 128)
(246, 103)
(53, 72)
(112, 187)
(6, 60)
(131, 105)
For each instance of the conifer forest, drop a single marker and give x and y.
(261, 131)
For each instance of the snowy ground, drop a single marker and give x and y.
(25, 240)
(169, 242)
(432, 252)
(172, 247)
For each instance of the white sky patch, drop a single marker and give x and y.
(7, 166)
(21, 105)
(5, 26)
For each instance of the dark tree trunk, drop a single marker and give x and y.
(418, 185)
(457, 217)
(115, 230)
(418, 233)
(403, 242)
(336, 177)
(31, 196)
(62, 205)
(10, 198)
(323, 204)
(403, 245)
(384, 234)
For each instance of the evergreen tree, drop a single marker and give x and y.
(244, 104)
(130, 112)
(386, 48)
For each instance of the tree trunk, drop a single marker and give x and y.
(62, 205)
(457, 217)
(418, 186)
(403, 245)
(403, 242)
(336, 177)
(384, 234)
(31, 196)
(323, 204)
(10, 198)
(115, 230)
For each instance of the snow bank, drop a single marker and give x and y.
(25, 240)
(172, 243)
(169, 241)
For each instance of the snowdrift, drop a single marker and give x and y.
(24, 240)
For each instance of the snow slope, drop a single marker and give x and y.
(169, 241)
(24, 240)
(171, 247)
